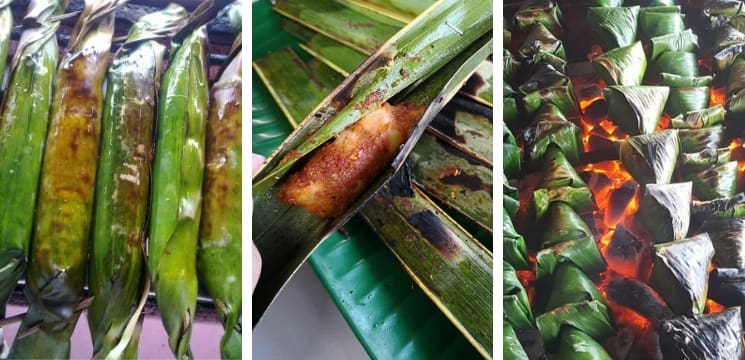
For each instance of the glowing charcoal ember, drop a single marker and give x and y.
(638, 297)
(627, 255)
(618, 201)
(665, 211)
(703, 336)
(337, 173)
(726, 287)
(681, 273)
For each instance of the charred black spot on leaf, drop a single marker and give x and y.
(473, 84)
(435, 232)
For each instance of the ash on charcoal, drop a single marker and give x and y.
(639, 297)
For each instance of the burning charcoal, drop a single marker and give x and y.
(627, 255)
(727, 286)
(717, 336)
(624, 245)
(620, 344)
(637, 296)
(681, 273)
(665, 211)
(619, 201)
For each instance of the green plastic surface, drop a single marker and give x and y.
(390, 315)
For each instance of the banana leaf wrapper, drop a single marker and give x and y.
(341, 58)
(511, 198)
(695, 140)
(681, 273)
(576, 345)
(445, 261)
(220, 240)
(512, 153)
(727, 286)
(665, 211)
(540, 39)
(59, 251)
(699, 161)
(339, 22)
(590, 317)
(511, 347)
(719, 181)
(544, 76)
(515, 300)
(580, 199)
(728, 237)
(563, 223)
(736, 78)
(23, 129)
(636, 109)
(700, 118)
(651, 158)
(683, 41)
(558, 171)
(681, 63)
(117, 268)
(653, 23)
(571, 285)
(454, 179)
(298, 231)
(581, 251)
(731, 207)
(563, 134)
(180, 144)
(514, 249)
(686, 99)
(613, 26)
(509, 111)
(677, 81)
(545, 12)
(702, 336)
(561, 98)
(6, 27)
(622, 66)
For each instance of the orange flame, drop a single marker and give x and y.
(714, 307)
(717, 96)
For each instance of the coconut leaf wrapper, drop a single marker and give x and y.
(513, 245)
(576, 345)
(728, 237)
(658, 21)
(689, 164)
(703, 336)
(558, 171)
(540, 39)
(561, 97)
(590, 317)
(678, 81)
(700, 118)
(727, 286)
(695, 140)
(511, 347)
(723, 208)
(719, 181)
(681, 273)
(580, 199)
(683, 63)
(544, 76)
(651, 158)
(571, 285)
(613, 26)
(665, 211)
(636, 109)
(563, 223)
(681, 41)
(582, 252)
(563, 134)
(545, 12)
(516, 304)
(622, 66)
(686, 99)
